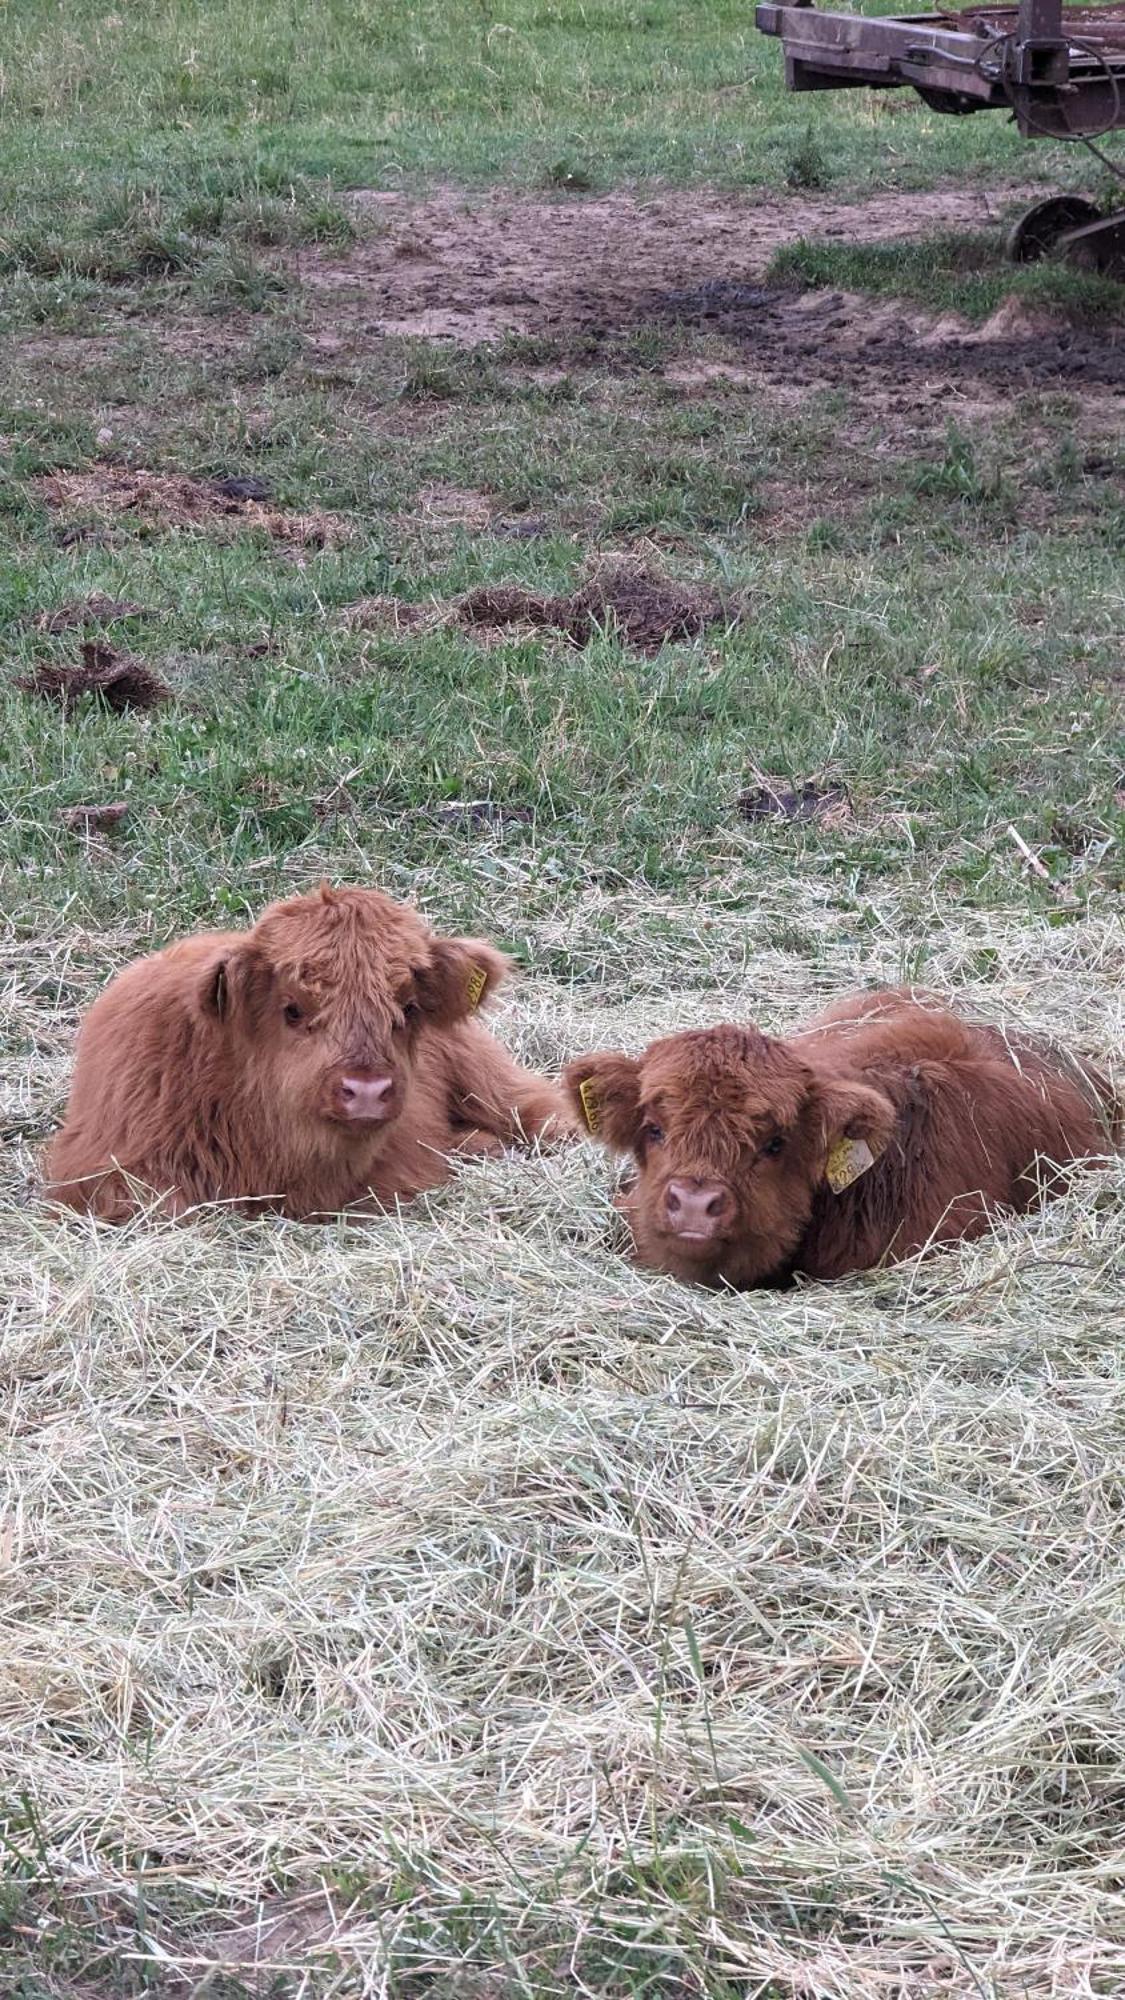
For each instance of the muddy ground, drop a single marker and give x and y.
(471, 270)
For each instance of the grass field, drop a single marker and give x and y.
(442, 1608)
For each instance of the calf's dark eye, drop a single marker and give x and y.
(293, 1013)
(653, 1135)
(774, 1146)
(410, 1010)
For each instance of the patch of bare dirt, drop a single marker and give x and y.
(172, 500)
(284, 1932)
(97, 609)
(118, 679)
(480, 268)
(892, 352)
(1014, 319)
(474, 268)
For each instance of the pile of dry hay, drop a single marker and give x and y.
(442, 1606)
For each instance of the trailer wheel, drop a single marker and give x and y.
(1037, 232)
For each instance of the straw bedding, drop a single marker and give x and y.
(440, 1606)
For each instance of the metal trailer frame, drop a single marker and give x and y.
(1059, 71)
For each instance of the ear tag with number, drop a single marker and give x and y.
(478, 980)
(847, 1160)
(588, 1097)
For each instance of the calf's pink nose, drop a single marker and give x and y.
(697, 1208)
(366, 1096)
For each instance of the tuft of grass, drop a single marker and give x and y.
(570, 178)
(967, 274)
(235, 280)
(967, 474)
(807, 167)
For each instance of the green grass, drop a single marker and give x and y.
(179, 108)
(893, 640)
(952, 274)
(514, 1618)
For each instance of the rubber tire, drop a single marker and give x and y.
(1038, 230)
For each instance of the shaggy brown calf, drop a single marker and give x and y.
(323, 1058)
(886, 1125)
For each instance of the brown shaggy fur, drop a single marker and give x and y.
(222, 1069)
(731, 1132)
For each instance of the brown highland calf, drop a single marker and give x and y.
(322, 1059)
(886, 1125)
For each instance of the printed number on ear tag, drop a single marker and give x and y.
(478, 980)
(847, 1160)
(589, 1100)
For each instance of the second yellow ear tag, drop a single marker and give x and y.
(847, 1160)
(478, 980)
(589, 1099)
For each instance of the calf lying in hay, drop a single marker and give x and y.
(324, 1058)
(886, 1125)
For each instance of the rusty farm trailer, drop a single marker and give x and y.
(1059, 71)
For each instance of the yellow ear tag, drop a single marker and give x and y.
(847, 1160)
(478, 980)
(589, 1100)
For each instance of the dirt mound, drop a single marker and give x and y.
(645, 610)
(93, 819)
(173, 500)
(1015, 319)
(118, 679)
(97, 609)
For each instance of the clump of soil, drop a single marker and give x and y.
(644, 609)
(118, 679)
(172, 500)
(1015, 319)
(94, 819)
(97, 609)
(771, 799)
(241, 487)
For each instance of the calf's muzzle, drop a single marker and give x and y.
(366, 1099)
(697, 1209)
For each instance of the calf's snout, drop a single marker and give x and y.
(697, 1209)
(367, 1098)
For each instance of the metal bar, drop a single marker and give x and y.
(1039, 21)
(1096, 246)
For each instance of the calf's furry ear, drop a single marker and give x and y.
(855, 1111)
(605, 1091)
(222, 985)
(460, 977)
